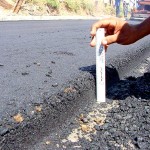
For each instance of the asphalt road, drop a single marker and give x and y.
(39, 57)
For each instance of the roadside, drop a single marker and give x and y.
(63, 10)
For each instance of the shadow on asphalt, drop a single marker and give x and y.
(126, 125)
(138, 87)
(112, 75)
(121, 89)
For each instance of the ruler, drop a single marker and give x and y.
(100, 67)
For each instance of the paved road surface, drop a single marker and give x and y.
(38, 57)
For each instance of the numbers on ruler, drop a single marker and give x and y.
(100, 50)
(102, 78)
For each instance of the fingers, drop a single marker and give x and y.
(95, 26)
(110, 39)
(93, 41)
(106, 40)
(105, 47)
(104, 23)
(107, 24)
(104, 43)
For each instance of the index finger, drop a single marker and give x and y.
(104, 23)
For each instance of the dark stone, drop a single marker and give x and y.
(55, 85)
(24, 73)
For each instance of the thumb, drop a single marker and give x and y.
(109, 39)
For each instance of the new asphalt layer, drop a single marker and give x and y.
(48, 73)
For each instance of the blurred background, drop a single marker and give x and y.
(73, 7)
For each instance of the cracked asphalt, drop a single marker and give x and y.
(42, 60)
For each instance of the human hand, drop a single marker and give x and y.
(116, 31)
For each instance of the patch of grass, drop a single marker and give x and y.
(109, 10)
(35, 1)
(53, 4)
(121, 10)
(87, 5)
(72, 5)
(79, 5)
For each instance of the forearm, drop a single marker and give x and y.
(143, 28)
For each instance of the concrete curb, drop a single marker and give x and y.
(21, 18)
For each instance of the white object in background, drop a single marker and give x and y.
(100, 67)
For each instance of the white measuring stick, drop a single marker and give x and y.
(100, 67)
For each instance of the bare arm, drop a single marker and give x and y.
(144, 28)
(119, 31)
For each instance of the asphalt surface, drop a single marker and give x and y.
(121, 124)
(41, 62)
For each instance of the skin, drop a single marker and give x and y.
(120, 31)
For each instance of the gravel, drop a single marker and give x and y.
(122, 123)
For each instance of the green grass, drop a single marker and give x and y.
(53, 3)
(72, 5)
(36, 1)
(109, 10)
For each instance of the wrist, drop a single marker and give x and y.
(143, 28)
(138, 31)
(134, 32)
